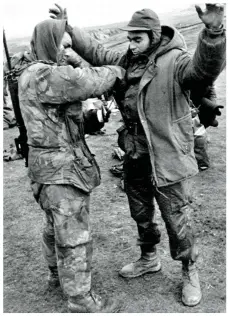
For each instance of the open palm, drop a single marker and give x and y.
(213, 15)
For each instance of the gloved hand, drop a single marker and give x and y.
(208, 111)
(58, 13)
(213, 15)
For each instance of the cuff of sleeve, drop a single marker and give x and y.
(215, 32)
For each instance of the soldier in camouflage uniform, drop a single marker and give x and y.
(62, 170)
(157, 136)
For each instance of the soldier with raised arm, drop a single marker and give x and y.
(157, 136)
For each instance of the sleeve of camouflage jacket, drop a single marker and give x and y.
(64, 84)
(92, 51)
(207, 63)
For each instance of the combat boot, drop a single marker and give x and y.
(191, 292)
(147, 263)
(53, 278)
(92, 303)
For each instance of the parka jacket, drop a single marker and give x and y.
(50, 100)
(163, 95)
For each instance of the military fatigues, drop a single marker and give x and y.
(158, 136)
(172, 200)
(61, 167)
(67, 241)
(173, 204)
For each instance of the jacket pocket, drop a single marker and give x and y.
(88, 173)
(183, 133)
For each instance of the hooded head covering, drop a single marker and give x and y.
(145, 20)
(46, 39)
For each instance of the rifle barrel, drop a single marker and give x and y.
(21, 141)
(6, 50)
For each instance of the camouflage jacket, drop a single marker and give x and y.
(50, 99)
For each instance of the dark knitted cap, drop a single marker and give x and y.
(143, 20)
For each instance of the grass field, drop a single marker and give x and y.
(115, 233)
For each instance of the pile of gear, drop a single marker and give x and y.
(117, 170)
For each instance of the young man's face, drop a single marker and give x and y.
(139, 42)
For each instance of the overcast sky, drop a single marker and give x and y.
(20, 16)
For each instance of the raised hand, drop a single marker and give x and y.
(213, 15)
(58, 13)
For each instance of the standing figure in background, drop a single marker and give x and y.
(204, 112)
(8, 113)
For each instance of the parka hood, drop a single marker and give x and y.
(170, 39)
(44, 44)
(46, 39)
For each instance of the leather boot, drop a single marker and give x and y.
(92, 303)
(147, 263)
(53, 278)
(191, 292)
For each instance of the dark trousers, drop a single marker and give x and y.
(173, 204)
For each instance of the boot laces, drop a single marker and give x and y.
(190, 273)
(96, 298)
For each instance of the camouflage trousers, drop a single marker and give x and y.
(67, 241)
(173, 204)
